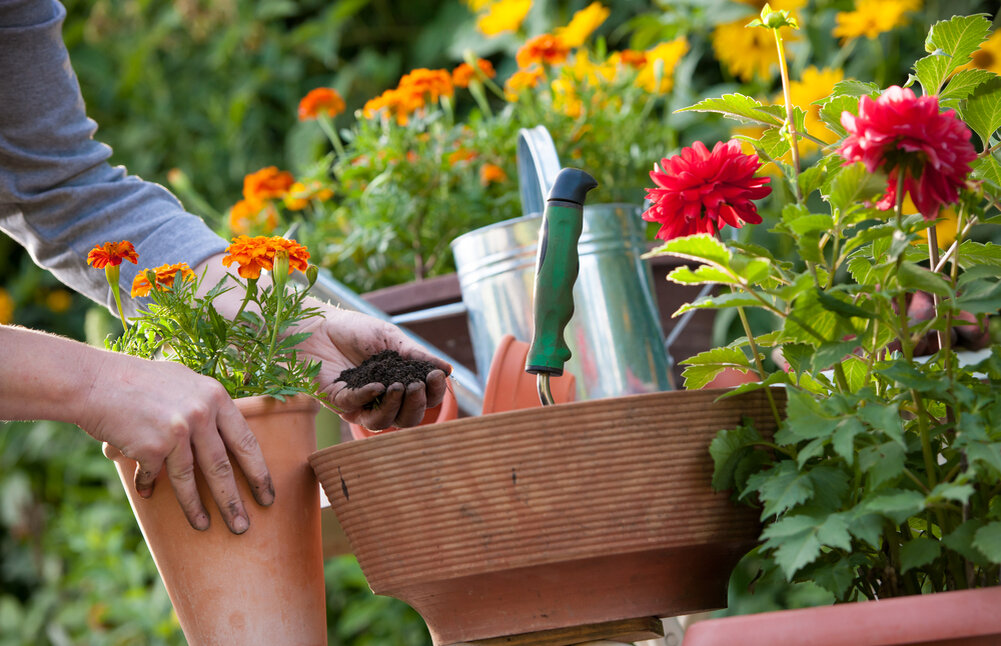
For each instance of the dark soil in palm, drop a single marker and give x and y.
(386, 368)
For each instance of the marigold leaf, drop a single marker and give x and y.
(739, 107)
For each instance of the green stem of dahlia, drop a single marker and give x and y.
(790, 121)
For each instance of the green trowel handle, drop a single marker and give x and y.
(556, 271)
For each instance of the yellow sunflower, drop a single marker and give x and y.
(873, 17)
(661, 59)
(749, 52)
(503, 15)
(988, 57)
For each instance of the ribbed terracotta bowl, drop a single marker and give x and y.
(547, 518)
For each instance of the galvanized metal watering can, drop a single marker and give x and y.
(615, 336)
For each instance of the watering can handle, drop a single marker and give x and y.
(538, 166)
(556, 269)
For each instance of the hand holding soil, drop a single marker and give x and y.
(401, 376)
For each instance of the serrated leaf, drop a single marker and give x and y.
(834, 304)
(723, 301)
(705, 366)
(813, 222)
(737, 106)
(962, 85)
(843, 440)
(987, 169)
(782, 488)
(914, 277)
(961, 541)
(702, 247)
(897, 505)
(831, 353)
(956, 38)
(830, 485)
(976, 253)
(882, 463)
(958, 492)
(701, 275)
(980, 297)
(728, 449)
(918, 552)
(831, 110)
(867, 527)
(806, 419)
(885, 418)
(932, 70)
(834, 531)
(849, 187)
(812, 179)
(982, 110)
(852, 87)
(855, 373)
(987, 539)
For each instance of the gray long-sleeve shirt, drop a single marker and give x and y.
(59, 197)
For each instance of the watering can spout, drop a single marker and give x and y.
(572, 185)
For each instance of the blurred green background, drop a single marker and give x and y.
(195, 94)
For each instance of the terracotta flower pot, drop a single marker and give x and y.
(447, 410)
(546, 518)
(509, 387)
(962, 618)
(265, 586)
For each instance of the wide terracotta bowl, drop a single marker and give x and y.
(540, 519)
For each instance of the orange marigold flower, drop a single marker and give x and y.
(250, 215)
(112, 253)
(490, 173)
(464, 73)
(461, 155)
(267, 183)
(522, 80)
(254, 254)
(425, 82)
(164, 277)
(544, 48)
(397, 102)
(322, 100)
(631, 58)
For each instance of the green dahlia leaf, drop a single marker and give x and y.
(982, 110)
(918, 552)
(987, 539)
(739, 107)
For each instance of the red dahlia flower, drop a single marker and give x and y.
(899, 132)
(701, 191)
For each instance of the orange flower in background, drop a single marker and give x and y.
(461, 155)
(322, 100)
(254, 254)
(267, 183)
(431, 83)
(630, 58)
(112, 253)
(164, 277)
(250, 215)
(522, 80)
(491, 173)
(546, 49)
(394, 102)
(6, 307)
(464, 73)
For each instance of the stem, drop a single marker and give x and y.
(118, 303)
(757, 361)
(790, 122)
(933, 259)
(279, 299)
(328, 129)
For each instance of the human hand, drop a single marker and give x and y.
(167, 417)
(343, 339)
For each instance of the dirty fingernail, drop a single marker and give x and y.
(240, 524)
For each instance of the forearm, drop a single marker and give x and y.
(43, 376)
